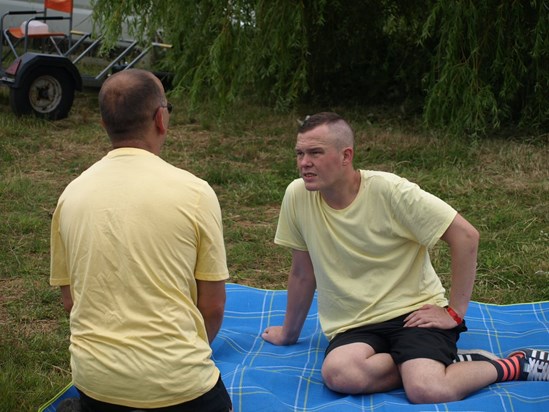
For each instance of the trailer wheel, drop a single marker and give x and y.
(47, 92)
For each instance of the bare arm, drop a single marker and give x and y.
(67, 298)
(211, 304)
(301, 289)
(463, 239)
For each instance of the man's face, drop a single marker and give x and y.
(319, 162)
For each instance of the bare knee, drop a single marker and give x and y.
(346, 380)
(355, 369)
(338, 380)
(429, 392)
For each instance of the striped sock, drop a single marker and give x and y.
(508, 369)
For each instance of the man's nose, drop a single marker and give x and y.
(304, 161)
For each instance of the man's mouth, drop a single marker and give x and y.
(308, 174)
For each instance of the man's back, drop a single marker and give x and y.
(132, 235)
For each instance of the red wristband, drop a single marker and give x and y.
(454, 315)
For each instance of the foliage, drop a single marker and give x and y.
(366, 52)
(281, 52)
(490, 65)
(473, 66)
(222, 50)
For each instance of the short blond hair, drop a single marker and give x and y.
(340, 130)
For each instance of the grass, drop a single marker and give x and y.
(500, 185)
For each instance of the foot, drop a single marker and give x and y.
(534, 364)
(466, 355)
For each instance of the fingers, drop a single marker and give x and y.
(429, 316)
(270, 329)
(271, 335)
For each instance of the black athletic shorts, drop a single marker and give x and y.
(402, 343)
(215, 400)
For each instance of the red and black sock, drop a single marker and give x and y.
(509, 369)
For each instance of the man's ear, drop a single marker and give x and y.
(348, 154)
(161, 121)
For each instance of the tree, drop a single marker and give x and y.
(490, 65)
(472, 65)
(279, 51)
(222, 50)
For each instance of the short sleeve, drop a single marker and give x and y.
(423, 214)
(211, 261)
(59, 275)
(288, 231)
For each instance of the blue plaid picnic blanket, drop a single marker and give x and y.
(263, 377)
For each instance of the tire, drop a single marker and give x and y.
(46, 92)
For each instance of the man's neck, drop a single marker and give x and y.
(138, 144)
(344, 194)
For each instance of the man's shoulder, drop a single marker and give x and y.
(296, 184)
(380, 176)
(297, 189)
(183, 174)
(380, 181)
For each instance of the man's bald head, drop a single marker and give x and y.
(127, 101)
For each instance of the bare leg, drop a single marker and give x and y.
(355, 368)
(429, 381)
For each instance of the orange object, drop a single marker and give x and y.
(20, 33)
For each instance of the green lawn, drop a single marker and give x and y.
(500, 185)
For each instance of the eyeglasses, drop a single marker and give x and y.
(168, 106)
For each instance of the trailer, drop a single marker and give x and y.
(43, 83)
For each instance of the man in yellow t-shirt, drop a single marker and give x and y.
(361, 239)
(137, 249)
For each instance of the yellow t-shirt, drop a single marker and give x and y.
(370, 259)
(131, 236)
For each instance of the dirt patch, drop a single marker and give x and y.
(13, 291)
(10, 290)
